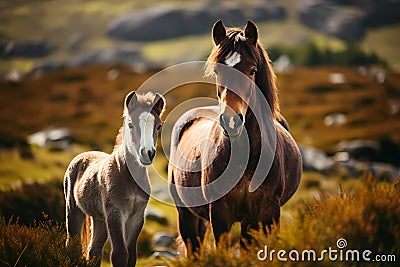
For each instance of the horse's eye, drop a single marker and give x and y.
(253, 72)
(130, 125)
(158, 127)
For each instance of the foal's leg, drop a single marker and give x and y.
(98, 238)
(119, 251)
(136, 226)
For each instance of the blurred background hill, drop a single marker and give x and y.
(45, 35)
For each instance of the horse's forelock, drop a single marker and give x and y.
(144, 101)
(265, 79)
(219, 52)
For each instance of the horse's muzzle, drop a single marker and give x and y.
(147, 155)
(232, 125)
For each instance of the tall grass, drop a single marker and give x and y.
(368, 219)
(42, 245)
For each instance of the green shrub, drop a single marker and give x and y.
(42, 245)
(308, 54)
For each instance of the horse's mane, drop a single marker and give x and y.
(265, 77)
(145, 100)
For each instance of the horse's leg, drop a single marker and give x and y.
(246, 238)
(187, 225)
(202, 229)
(136, 226)
(270, 215)
(267, 217)
(119, 251)
(98, 238)
(221, 222)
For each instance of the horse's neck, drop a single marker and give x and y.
(128, 163)
(253, 129)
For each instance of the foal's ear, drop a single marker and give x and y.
(159, 103)
(130, 99)
(251, 32)
(218, 32)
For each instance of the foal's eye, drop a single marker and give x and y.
(130, 125)
(253, 72)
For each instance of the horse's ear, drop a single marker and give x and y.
(218, 32)
(251, 32)
(130, 99)
(159, 104)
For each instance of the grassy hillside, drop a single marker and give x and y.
(91, 105)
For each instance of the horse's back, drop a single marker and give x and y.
(80, 183)
(190, 132)
(81, 162)
(186, 121)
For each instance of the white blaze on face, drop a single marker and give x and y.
(232, 59)
(146, 124)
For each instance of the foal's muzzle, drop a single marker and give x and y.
(232, 125)
(147, 155)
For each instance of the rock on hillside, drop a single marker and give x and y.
(25, 48)
(344, 22)
(164, 22)
(378, 12)
(347, 19)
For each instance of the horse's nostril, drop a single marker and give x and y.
(151, 153)
(222, 119)
(240, 117)
(143, 153)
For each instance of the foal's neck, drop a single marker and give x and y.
(131, 168)
(127, 161)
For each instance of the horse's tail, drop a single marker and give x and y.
(75, 222)
(70, 178)
(85, 236)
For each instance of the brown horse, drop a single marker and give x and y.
(105, 187)
(239, 155)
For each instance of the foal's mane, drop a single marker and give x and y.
(147, 102)
(265, 76)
